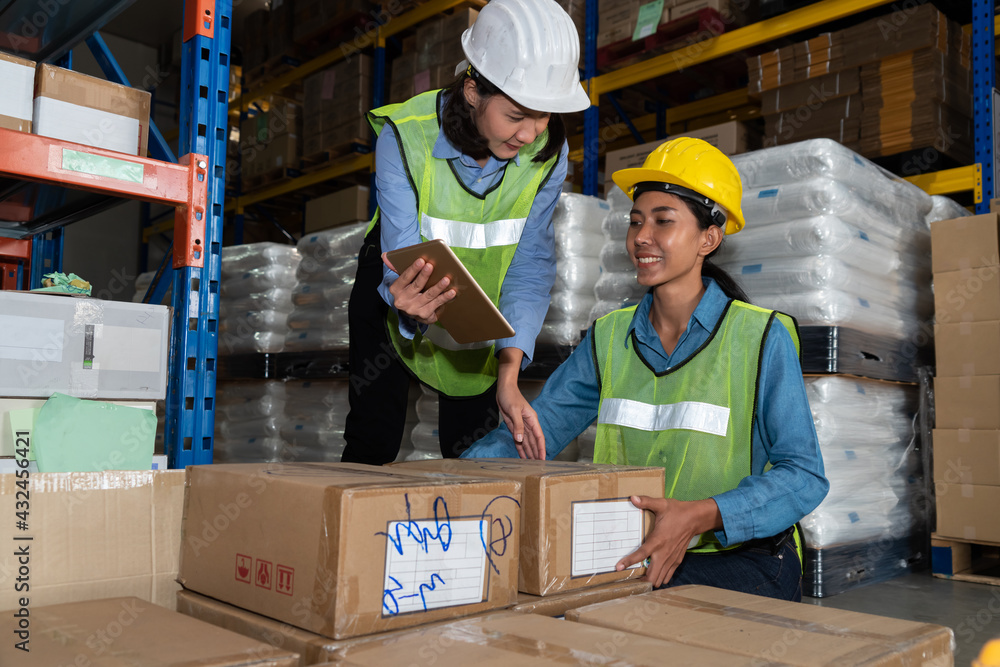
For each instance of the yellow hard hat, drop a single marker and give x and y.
(695, 165)
(989, 656)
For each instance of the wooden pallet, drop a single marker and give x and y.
(965, 560)
(688, 30)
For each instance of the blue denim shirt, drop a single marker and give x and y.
(524, 295)
(764, 503)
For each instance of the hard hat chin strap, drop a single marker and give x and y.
(716, 212)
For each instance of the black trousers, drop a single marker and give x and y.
(380, 382)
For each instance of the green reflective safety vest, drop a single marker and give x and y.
(695, 420)
(483, 231)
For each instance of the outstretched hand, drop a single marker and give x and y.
(522, 421)
(411, 295)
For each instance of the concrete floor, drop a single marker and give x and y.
(971, 610)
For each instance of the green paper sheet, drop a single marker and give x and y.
(23, 421)
(649, 19)
(72, 435)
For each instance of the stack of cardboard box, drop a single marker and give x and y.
(429, 57)
(269, 140)
(18, 76)
(267, 37)
(966, 261)
(334, 105)
(912, 83)
(617, 21)
(314, 19)
(255, 39)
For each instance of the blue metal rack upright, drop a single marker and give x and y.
(203, 130)
(983, 85)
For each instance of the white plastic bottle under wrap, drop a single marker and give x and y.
(142, 283)
(585, 443)
(263, 406)
(276, 298)
(617, 287)
(425, 437)
(577, 275)
(247, 450)
(315, 413)
(331, 244)
(331, 271)
(323, 295)
(836, 308)
(258, 280)
(943, 208)
(256, 285)
(237, 260)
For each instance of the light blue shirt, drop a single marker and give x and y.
(763, 504)
(524, 295)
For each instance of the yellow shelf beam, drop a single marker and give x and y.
(950, 181)
(728, 43)
(336, 169)
(361, 42)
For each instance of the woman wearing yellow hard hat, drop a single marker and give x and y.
(479, 164)
(698, 381)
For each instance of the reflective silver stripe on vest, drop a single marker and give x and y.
(440, 337)
(475, 235)
(688, 415)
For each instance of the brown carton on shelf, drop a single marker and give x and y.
(967, 348)
(86, 110)
(507, 638)
(557, 605)
(765, 630)
(576, 518)
(971, 402)
(119, 631)
(811, 94)
(338, 208)
(968, 512)
(965, 243)
(119, 533)
(971, 295)
(344, 550)
(963, 456)
(18, 76)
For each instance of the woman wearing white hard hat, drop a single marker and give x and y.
(699, 382)
(479, 164)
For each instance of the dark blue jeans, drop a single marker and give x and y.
(748, 570)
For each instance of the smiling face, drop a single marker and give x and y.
(506, 125)
(665, 241)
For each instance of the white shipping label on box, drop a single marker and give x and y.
(83, 125)
(127, 349)
(31, 338)
(604, 532)
(429, 564)
(19, 86)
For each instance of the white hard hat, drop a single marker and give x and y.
(530, 50)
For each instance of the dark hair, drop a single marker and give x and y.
(728, 284)
(460, 128)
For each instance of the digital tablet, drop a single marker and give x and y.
(470, 317)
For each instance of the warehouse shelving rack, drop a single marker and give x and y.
(194, 186)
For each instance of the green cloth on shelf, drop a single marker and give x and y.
(62, 283)
(23, 421)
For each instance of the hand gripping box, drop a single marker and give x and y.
(344, 549)
(576, 518)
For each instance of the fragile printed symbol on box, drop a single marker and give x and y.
(244, 565)
(262, 574)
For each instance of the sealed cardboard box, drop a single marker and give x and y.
(343, 206)
(963, 456)
(18, 76)
(968, 511)
(757, 628)
(560, 603)
(8, 404)
(95, 534)
(529, 639)
(344, 550)
(576, 518)
(967, 348)
(83, 109)
(83, 347)
(128, 631)
(970, 402)
(969, 295)
(965, 243)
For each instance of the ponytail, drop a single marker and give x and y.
(726, 282)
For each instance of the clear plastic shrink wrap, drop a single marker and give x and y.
(248, 419)
(617, 287)
(944, 208)
(321, 298)
(256, 287)
(576, 223)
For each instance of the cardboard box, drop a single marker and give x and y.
(530, 639)
(344, 550)
(86, 110)
(968, 511)
(576, 519)
(128, 631)
(341, 207)
(970, 295)
(8, 404)
(730, 138)
(769, 631)
(96, 534)
(18, 76)
(967, 402)
(965, 243)
(557, 605)
(967, 348)
(967, 457)
(83, 347)
(811, 93)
